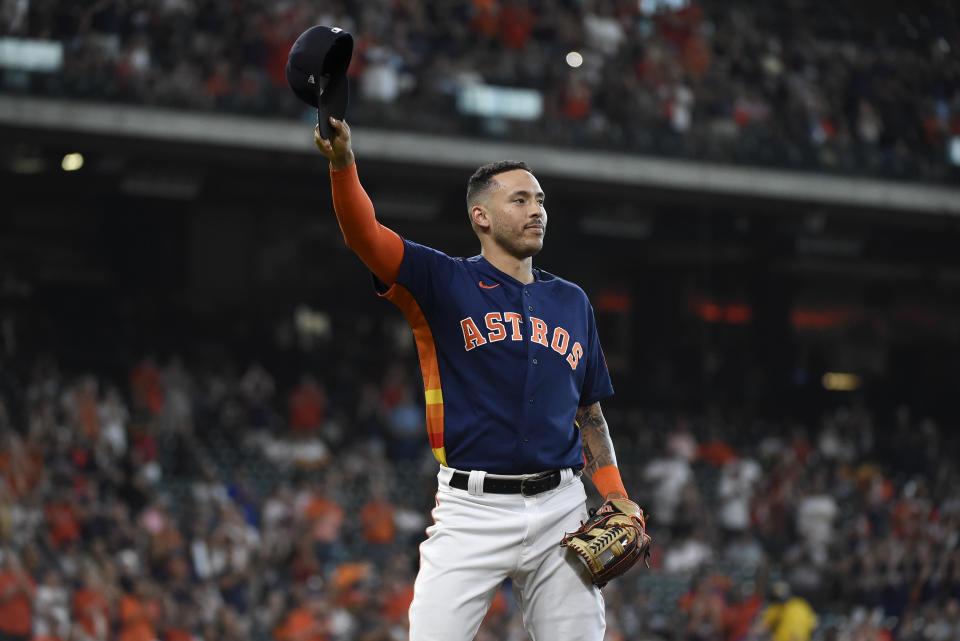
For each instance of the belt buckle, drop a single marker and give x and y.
(534, 478)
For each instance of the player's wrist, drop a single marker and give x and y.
(342, 161)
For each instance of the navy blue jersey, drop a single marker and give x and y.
(505, 365)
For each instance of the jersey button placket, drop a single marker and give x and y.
(524, 439)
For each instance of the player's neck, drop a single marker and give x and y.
(519, 268)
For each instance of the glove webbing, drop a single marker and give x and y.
(607, 544)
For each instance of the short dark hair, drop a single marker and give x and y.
(482, 178)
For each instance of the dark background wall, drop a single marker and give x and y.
(163, 247)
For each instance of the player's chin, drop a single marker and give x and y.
(533, 248)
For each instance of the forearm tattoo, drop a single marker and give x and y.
(595, 436)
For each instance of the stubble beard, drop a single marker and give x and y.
(517, 245)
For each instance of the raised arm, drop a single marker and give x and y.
(379, 247)
(598, 454)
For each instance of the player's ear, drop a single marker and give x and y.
(480, 217)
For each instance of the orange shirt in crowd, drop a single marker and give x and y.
(147, 387)
(89, 607)
(300, 625)
(16, 616)
(498, 607)
(377, 520)
(716, 452)
(307, 406)
(20, 473)
(397, 603)
(63, 523)
(136, 620)
(320, 506)
(177, 634)
(576, 101)
(485, 17)
(85, 410)
(739, 617)
(516, 25)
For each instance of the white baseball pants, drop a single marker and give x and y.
(478, 540)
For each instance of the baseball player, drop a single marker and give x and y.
(513, 376)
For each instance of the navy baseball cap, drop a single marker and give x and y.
(317, 72)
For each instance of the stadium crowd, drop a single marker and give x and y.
(856, 88)
(188, 502)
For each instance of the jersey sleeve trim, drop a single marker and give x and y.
(429, 365)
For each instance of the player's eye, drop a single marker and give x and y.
(519, 200)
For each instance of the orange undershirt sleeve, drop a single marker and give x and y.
(607, 481)
(379, 247)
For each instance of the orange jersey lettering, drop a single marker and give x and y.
(494, 323)
(561, 338)
(573, 358)
(538, 331)
(471, 334)
(514, 319)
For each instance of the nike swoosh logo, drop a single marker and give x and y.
(488, 286)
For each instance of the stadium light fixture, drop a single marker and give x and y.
(840, 382)
(72, 162)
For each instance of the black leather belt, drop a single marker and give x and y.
(526, 486)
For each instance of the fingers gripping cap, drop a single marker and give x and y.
(317, 72)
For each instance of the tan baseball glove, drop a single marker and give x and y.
(611, 540)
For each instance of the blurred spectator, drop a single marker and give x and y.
(669, 477)
(6, 515)
(788, 618)
(147, 387)
(816, 512)
(258, 389)
(735, 491)
(376, 518)
(17, 591)
(139, 613)
(63, 520)
(705, 607)
(323, 515)
(91, 606)
(81, 402)
(687, 554)
(305, 622)
(51, 617)
(405, 422)
(113, 417)
(178, 392)
(308, 402)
